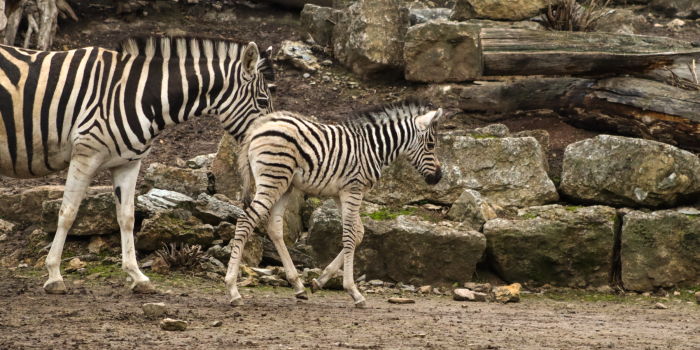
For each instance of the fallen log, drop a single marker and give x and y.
(624, 105)
(531, 52)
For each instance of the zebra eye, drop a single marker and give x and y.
(262, 102)
(431, 145)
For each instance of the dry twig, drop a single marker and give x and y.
(572, 16)
(684, 83)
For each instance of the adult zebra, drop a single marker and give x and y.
(284, 150)
(92, 109)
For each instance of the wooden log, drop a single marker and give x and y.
(624, 105)
(530, 52)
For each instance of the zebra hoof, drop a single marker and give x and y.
(360, 305)
(145, 287)
(314, 286)
(237, 302)
(56, 287)
(302, 296)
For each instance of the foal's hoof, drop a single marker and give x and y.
(145, 287)
(302, 295)
(314, 286)
(360, 305)
(237, 302)
(56, 287)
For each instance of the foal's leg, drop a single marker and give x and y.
(124, 182)
(84, 163)
(352, 236)
(276, 233)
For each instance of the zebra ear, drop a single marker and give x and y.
(251, 56)
(424, 121)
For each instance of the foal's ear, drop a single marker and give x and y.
(251, 56)
(425, 121)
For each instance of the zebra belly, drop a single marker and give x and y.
(32, 162)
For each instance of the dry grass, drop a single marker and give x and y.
(684, 83)
(572, 16)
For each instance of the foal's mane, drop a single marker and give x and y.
(410, 107)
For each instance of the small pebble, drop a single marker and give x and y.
(660, 306)
(306, 75)
(170, 324)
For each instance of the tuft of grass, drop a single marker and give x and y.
(575, 17)
(390, 213)
(574, 208)
(529, 216)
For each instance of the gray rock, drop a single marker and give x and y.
(506, 171)
(25, 206)
(97, 215)
(307, 208)
(158, 200)
(437, 52)
(677, 8)
(252, 251)
(478, 287)
(368, 38)
(467, 295)
(553, 244)
(299, 55)
(542, 138)
(422, 15)
(317, 24)
(659, 249)
(98, 244)
(154, 309)
(299, 257)
(404, 249)
(199, 162)
(471, 210)
(173, 226)
(621, 21)
(191, 182)
(376, 283)
(408, 288)
(624, 171)
(6, 227)
(213, 211)
(262, 272)
(495, 130)
(227, 16)
(170, 324)
(513, 10)
(217, 324)
(273, 280)
(526, 24)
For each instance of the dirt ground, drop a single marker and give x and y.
(104, 313)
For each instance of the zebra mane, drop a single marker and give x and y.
(389, 112)
(182, 45)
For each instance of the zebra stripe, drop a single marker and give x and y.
(91, 109)
(284, 150)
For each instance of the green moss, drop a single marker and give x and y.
(480, 136)
(529, 216)
(574, 208)
(389, 213)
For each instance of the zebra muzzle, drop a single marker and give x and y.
(434, 178)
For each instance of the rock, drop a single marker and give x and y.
(659, 249)
(317, 24)
(173, 226)
(632, 172)
(170, 324)
(437, 52)
(252, 251)
(423, 15)
(676, 24)
(605, 290)
(697, 297)
(405, 249)
(213, 211)
(25, 206)
(463, 295)
(368, 38)
(660, 306)
(216, 324)
(567, 246)
(478, 287)
(97, 215)
(191, 182)
(262, 272)
(298, 256)
(299, 55)
(493, 130)
(6, 227)
(307, 209)
(505, 171)
(542, 137)
(513, 10)
(199, 162)
(401, 301)
(273, 280)
(158, 200)
(471, 210)
(228, 183)
(98, 244)
(408, 288)
(677, 8)
(507, 294)
(74, 265)
(424, 289)
(3, 237)
(526, 24)
(154, 309)
(94, 276)
(160, 266)
(621, 21)
(227, 16)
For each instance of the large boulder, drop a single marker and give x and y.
(471, 210)
(158, 200)
(553, 244)
(173, 226)
(437, 52)
(229, 183)
(623, 171)
(423, 15)
(213, 211)
(317, 24)
(659, 249)
(25, 207)
(677, 8)
(252, 251)
(506, 171)
(368, 38)
(191, 182)
(405, 249)
(97, 215)
(511, 10)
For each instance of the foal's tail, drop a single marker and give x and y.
(246, 173)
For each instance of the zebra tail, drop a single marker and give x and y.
(246, 173)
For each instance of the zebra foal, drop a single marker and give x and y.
(284, 150)
(92, 109)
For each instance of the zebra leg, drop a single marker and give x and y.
(330, 270)
(276, 233)
(352, 236)
(80, 173)
(124, 182)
